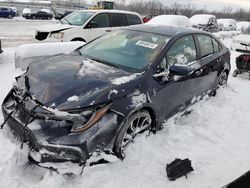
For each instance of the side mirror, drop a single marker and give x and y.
(92, 24)
(181, 70)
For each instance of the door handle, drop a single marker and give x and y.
(108, 30)
(198, 72)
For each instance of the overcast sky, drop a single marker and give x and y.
(210, 4)
(214, 4)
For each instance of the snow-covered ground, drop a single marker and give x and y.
(215, 136)
(19, 30)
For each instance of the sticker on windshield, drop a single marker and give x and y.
(146, 44)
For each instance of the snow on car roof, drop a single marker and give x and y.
(226, 20)
(163, 30)
(170, 20)
(111, 11)
(201, 18)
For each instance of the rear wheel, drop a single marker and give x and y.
(222, 80)
(10, 16)
(235, 73)
(136, 124)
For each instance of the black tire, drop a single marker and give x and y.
(78, 39)
(33, 17)
(129, 131)
(221, 81)
(235, 73)
(10, 16)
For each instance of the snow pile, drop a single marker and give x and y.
(138, 98)
(73, 98)
(200, 19)
(124, 79)
(170, 20)
(28, 53)
(113, 91)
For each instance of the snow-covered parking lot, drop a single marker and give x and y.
(215, 136)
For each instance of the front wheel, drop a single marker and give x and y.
(136, 124)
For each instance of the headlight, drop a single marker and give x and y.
(58, 35)
(89, 118)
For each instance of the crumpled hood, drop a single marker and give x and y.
(72, 81)
(242, 38)
(54, 27)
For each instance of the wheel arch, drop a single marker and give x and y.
(78, 39)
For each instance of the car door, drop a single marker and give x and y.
(97, 26)
(118, 21)
(170, 94)
(205, 69)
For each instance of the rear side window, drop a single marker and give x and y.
(133, 19)
(216, 46)
(118, 20)
(183, 51)
(206, 46)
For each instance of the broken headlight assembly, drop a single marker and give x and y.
(57, 35)
(87, 118)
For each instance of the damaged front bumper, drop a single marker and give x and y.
(41, 151)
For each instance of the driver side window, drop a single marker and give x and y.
(183, 51)
(99, 21)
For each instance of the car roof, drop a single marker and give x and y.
(164, 30)
(111, 11)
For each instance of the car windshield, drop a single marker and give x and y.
(77, 18)
(247, 31)
(129, 50)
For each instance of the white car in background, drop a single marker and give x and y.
(26, 11)
(242, 26)
(170, 20)
(206, 22)
(241, 42)
(86, 25)
(227, 24)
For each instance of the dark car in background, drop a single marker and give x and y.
(59, 15)
(7, 12)
(103, 95)
(41, 15)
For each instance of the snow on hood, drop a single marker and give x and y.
(54, 27)
(170, 20)
(60, 79)
(200, 19)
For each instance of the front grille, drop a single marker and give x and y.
(21, 132)
(41, 35)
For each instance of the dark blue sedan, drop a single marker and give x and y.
(110, 90)
(7, 12)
